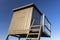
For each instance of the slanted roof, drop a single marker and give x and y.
(27, 6)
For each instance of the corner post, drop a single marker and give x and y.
(43, 17)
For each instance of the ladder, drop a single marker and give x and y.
(34, 33)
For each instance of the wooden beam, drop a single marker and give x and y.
(43, 17)
(7, 37)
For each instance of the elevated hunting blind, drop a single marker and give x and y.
(28, 22)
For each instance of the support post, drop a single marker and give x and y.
(19, 38)
(7, 37)
(43, 17)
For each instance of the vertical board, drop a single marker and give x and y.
(21, 21)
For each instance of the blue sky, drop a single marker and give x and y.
(49, 7)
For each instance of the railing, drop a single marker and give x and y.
(46, 25)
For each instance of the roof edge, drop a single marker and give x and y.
(22, 7)
(27, 6)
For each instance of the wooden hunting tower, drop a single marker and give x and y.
(29, 22)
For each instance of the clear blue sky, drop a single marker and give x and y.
(49, 7)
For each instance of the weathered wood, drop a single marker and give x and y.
(43, 17)
(21, 21)
(27, 20)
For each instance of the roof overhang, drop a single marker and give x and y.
(27, 6)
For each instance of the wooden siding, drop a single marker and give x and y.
(21, 21)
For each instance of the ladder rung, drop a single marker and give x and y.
(31, 38)
(34, 29)
(33, 33)
(35, 25)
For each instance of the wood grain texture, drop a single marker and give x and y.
(21, 21)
